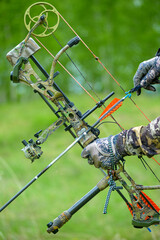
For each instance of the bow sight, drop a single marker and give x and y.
(145, 212)
(66, 110)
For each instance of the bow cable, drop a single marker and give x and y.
(78, 81)
(82, 75)
(87, 91)
(97, 58)
(65, 69)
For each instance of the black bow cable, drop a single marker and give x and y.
(143, 161)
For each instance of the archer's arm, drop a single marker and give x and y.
(141, 140)
(144, 139)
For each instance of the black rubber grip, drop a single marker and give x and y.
(135, 88)
(73, 41)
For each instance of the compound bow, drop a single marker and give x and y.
(145, 212)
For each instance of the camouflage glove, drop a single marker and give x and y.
(141, 140)
(103, 152)
(147, 74)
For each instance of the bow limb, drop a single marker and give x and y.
(145, 212)
(40, 21)
(69, 116)
(23, 71)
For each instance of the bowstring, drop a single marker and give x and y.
(82, 75)
(65, 69)
(107, 71)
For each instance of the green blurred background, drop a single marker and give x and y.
(122, 34)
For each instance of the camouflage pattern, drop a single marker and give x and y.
(141, 140)
(103, 152)
(147, 74)
(30, 48)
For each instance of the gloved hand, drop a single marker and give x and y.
(103, 152)
(147, 74)
(141, 140)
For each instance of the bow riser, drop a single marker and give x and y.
(23, 71)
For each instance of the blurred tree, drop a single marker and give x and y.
(121, 33)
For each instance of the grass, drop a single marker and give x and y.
(68, 180)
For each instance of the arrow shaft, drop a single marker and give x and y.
(40, 174)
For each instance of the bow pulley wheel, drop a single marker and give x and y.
(35, 12)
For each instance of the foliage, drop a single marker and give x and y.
(67, 181)
(121, 33)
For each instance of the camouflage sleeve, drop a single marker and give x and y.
(142, 140)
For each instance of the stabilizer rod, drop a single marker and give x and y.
(57, 158)
(66, 215)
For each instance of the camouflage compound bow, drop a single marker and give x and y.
(145, 212)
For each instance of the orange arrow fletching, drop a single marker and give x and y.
(114, 101)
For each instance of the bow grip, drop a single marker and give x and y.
(73, 41)
(15, 73)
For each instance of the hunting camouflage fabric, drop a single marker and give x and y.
(30, 48)
(141, 140)
(102, 152)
